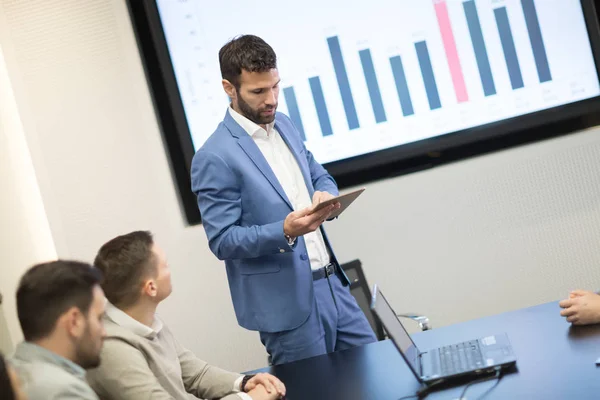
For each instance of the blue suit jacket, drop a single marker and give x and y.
(243, 207)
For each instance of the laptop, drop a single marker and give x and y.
(454, 362)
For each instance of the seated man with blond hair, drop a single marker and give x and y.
(141, 358)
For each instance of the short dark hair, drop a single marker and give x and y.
(6, 389)
(125, 261)
(247, 52)
(48, 290)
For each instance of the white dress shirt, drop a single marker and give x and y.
(122, 319)
(288, 173)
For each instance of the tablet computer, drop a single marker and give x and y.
(345, 200)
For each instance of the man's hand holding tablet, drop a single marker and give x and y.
(340, 203)
(325, 206)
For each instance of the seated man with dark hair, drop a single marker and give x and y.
(60, 306)
(141, 358)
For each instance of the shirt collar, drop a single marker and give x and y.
(250, 127)
(31, 352)
(122, 319)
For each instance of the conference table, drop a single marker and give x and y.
(554, 361)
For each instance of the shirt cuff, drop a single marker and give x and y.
(237, 388)
(237, 384)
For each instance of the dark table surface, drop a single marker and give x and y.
(554, 361)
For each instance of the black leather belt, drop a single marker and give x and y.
(323, 272)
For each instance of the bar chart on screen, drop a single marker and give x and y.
(359, 77)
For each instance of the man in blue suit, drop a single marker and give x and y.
(256, 185)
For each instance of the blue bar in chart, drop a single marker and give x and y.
(321, 106)
(401, 86)
(508, 46)
(292, 104)
(537, 42)
(342, 79)
(481, 54)
(372, 85)
(433, 95)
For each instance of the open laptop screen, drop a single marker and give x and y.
(396, 331)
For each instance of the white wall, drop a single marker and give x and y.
(25, 235)
(474, 238)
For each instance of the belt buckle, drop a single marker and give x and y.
(329, 269)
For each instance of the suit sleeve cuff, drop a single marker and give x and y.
(274, 234)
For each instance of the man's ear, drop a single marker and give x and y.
(73, 321)
(150, 288)
(229, 88)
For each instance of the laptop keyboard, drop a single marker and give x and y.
(460, 357)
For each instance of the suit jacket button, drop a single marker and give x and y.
(303, 257)
(281, 250)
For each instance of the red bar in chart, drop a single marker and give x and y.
(458, 79)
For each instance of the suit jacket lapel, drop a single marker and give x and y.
(251, 149)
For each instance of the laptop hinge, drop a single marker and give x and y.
(420, 363)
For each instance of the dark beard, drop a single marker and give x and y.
(86, 360)
(91, 363)
(85, 352)
(254, 115)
